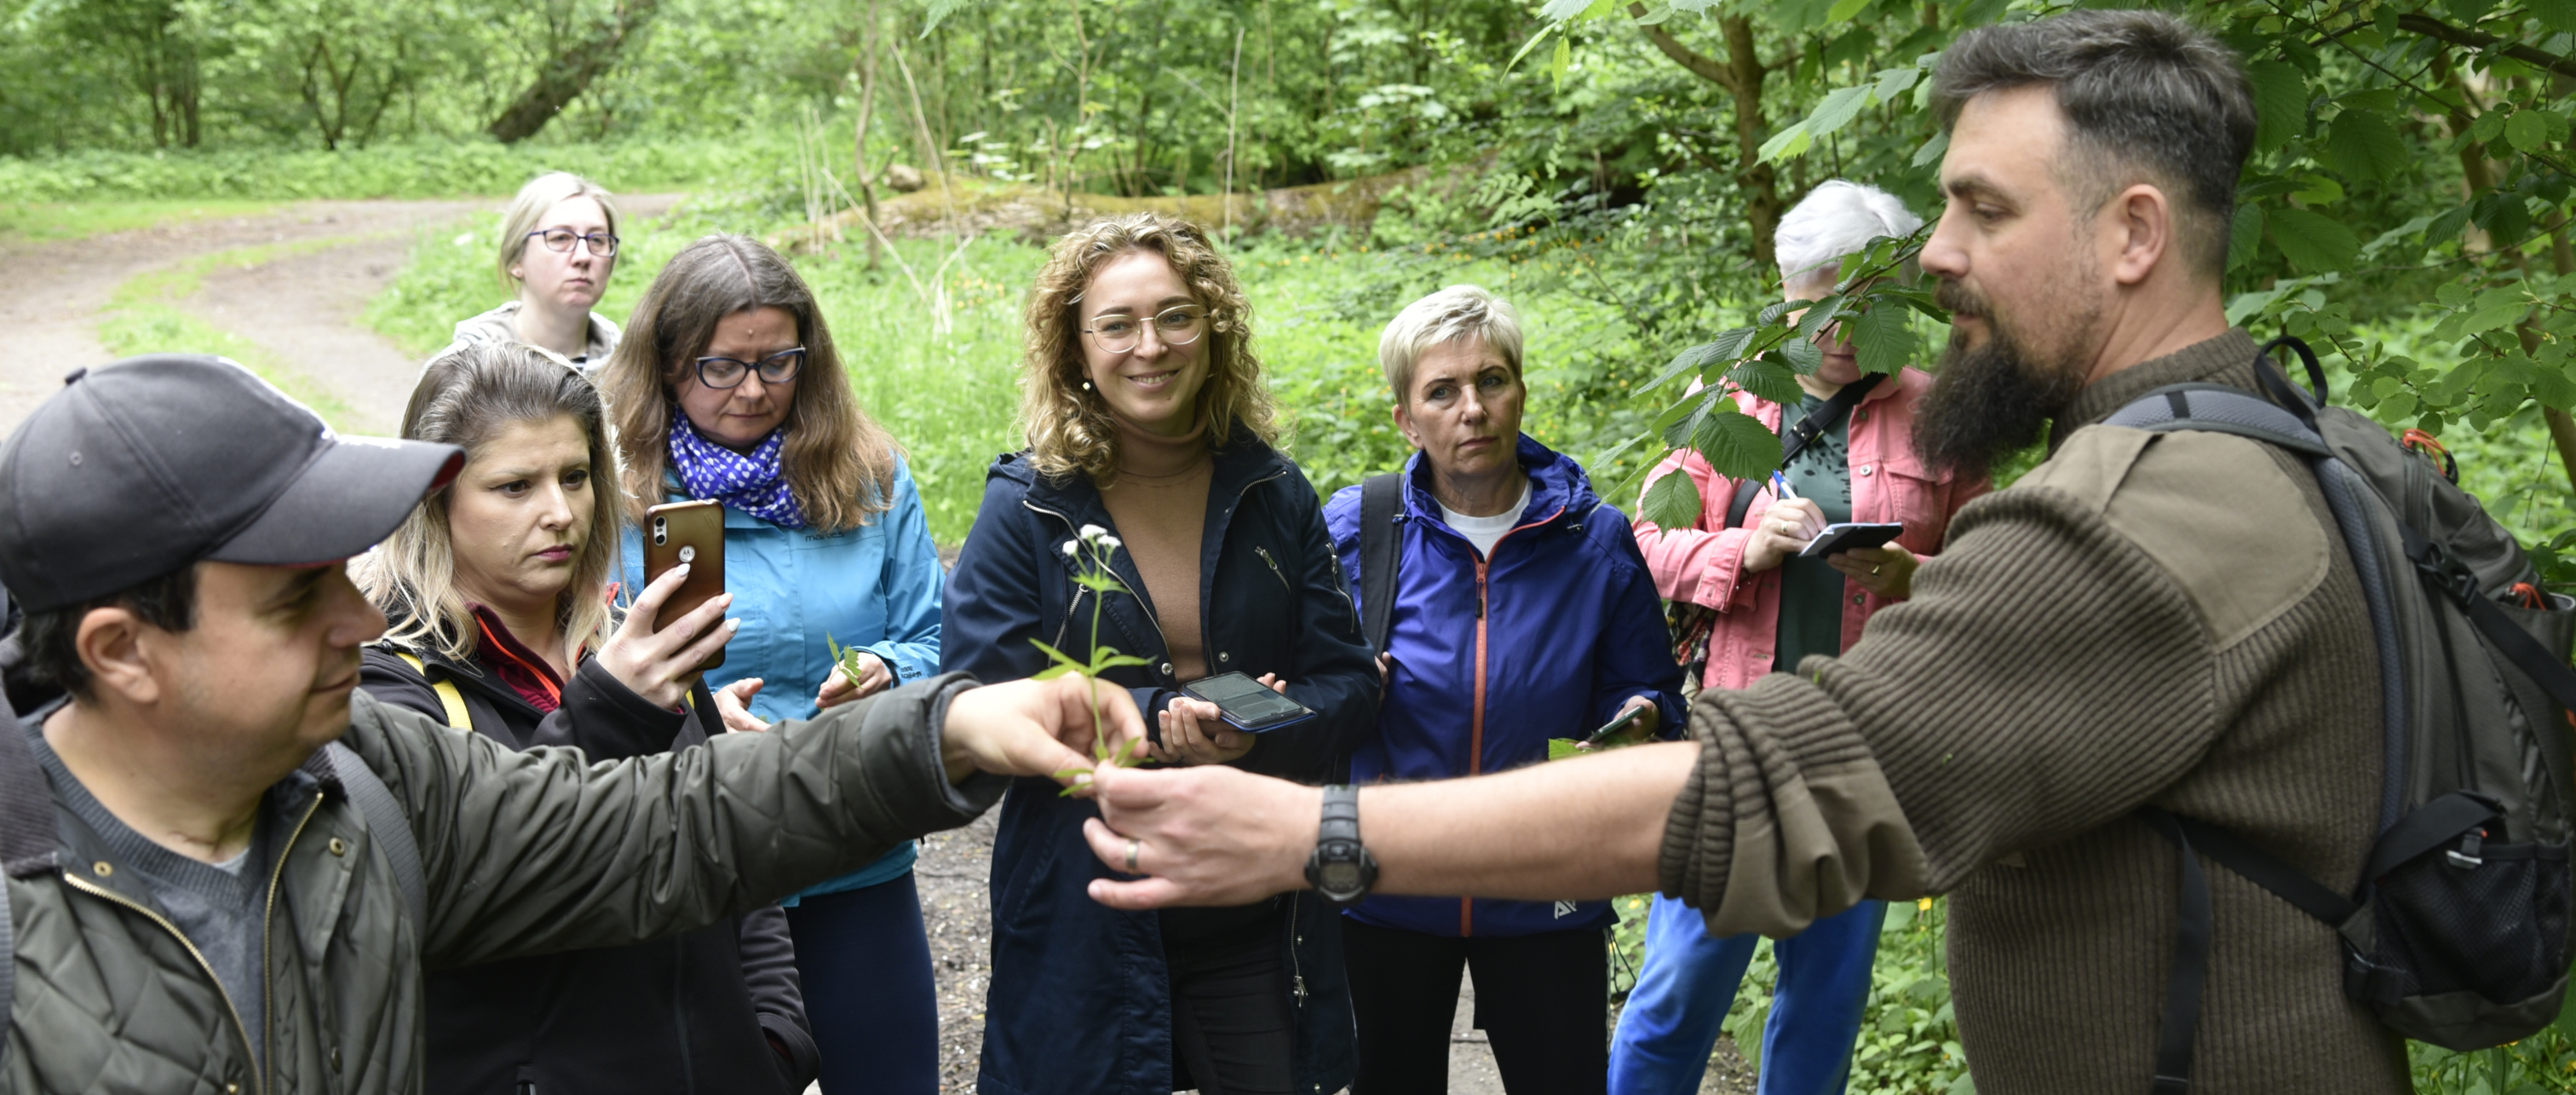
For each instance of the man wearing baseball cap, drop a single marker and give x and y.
(198, 901)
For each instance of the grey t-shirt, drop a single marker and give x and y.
(218, 907)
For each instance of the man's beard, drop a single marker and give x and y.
(1991, 401)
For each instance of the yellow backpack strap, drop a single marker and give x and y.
(457, 716)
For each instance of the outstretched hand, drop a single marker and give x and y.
(1206, 835)
(1035, 728)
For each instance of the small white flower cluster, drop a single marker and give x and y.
(1098, 537)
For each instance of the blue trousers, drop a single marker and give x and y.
(1676, 1012)
(863, 959)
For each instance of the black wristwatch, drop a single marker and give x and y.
(1341, 868)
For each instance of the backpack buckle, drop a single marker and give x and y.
(2466, 857)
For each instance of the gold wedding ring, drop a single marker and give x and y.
(1873, 571)
(1132, 844)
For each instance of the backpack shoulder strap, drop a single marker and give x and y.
(389, 827)
(449, 696)
(1795, 440)
(1378, 555)
(2217, 408)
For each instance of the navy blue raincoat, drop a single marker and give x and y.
(1080, 1000)
(1548, 638)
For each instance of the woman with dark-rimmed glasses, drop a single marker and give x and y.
(558, 248)
(727, 388)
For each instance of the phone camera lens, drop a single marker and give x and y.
(661, 531)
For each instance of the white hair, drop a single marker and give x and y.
(1833, 220)
(1455, 313)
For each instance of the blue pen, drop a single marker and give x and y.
(1780, 486)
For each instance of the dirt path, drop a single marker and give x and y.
(304, 309)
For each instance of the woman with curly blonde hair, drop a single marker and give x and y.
(1149, 433)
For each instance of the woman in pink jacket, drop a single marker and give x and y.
(1770, 609)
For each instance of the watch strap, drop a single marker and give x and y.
(1341, 814)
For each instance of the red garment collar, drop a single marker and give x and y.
(516, 665)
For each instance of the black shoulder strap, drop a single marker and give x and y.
(1795, 440)
(1378, 555)
(388, 826)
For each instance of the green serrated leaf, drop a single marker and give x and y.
(2280, 103)
(1881, 337)
(1558, 11)
(1737, 445)
(1802, 356)
(1837, 110)
(2363, 145)
(1821, 315)
(2245, 237)
(1788, 144)
(2557, 15)
(1727, 346)
(1894, 82)
(2490, 318)
(2318, 190)
(1932, 150)
(1671, 502)
(2313, 242)
(1767, 378)
(2487, 127)
(2527, 131)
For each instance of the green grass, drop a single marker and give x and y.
(143, 317)
(43, 221)
(429, 170)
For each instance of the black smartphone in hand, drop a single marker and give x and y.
(1614, 726)
(1247, 704)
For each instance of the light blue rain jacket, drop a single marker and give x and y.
(876, 587)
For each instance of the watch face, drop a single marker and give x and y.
(1341, 877)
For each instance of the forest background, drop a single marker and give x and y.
(1615, 167)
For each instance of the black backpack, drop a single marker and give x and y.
(2458, 932)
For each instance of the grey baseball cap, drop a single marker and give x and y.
(140, 467)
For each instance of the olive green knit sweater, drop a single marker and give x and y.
(2145, 618)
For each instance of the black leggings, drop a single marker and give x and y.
(1230, 1022)
(1542, 1000)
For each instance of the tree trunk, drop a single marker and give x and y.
(1741, 75)
(570, 71)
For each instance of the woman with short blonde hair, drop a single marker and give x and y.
(558, 248)
(1150, 438)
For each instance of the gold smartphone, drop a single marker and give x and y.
(692, 533)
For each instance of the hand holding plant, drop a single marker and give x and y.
(1090, 549)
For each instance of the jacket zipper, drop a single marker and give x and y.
(276, 875)
(75, 882)
(1476, 723)
(1275, 572)
(1296, 967)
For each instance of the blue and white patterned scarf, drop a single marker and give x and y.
(755, 483)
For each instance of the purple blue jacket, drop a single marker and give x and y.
(1569, 629)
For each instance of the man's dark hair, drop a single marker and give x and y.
(51, 639)
(2144, 93)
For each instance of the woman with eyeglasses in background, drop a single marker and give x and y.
(558, 246)
(728, 388)
(1146, 417)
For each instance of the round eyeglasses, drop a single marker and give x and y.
(727, 372)
(561, 239)
(1118, 334)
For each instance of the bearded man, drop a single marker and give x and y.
(2146, 619)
